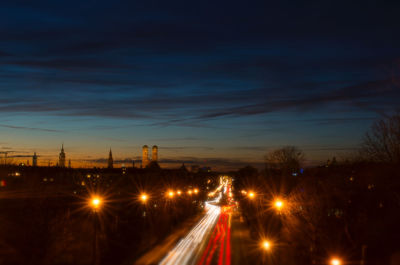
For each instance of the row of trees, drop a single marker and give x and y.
(343, 210)
(381, 144)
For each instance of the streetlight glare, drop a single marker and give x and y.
(266, 245)
(144, 197)
(171, 194)
(179, 192)
(196, 191)
(278, 204)
(251, 195)
(96, 202)
(336, 261)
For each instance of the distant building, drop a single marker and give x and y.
(145, 156)
(61, 157)
(69, 163)
(34, 160)
(110, 160)
(146, 162)
(154, 153)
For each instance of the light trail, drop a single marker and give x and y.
(185, 250)
(220, 239)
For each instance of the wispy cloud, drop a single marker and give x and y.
(177, 139)
(30, 128)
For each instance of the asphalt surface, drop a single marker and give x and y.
(219, 237)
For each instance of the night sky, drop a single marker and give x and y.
(210, 82)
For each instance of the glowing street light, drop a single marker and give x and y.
(144, 197)
(171, 194)
(190, 192)
(196, 191)
(266, 245)
(96, 203)
(179, 192)
(335, 261)
(278, 204)
(251, 195)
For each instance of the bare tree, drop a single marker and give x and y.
(286, 159)
(382, 143)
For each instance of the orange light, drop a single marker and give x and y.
(196, 191)
(171, 194)
(96, 202)
(278, 204)
(190, 192)
(251, 195)
(335, 261)
(144, 197)
(179, 192)
(266, 245)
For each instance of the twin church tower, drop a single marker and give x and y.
(145, 158)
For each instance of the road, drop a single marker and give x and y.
(187, 250)
(219, 238)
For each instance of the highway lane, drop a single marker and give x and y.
(188, 248)
(218, 249)
(219, 238)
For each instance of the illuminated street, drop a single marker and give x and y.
(209, 242)
(186, 250)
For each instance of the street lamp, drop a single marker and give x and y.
(196, 191)
(170, 194)
(335, 261)
(278, 204)
(144, 197)
(95, 203)
(179, 192)
(266, 245)
(251, 195)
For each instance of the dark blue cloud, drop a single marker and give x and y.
(198, 65)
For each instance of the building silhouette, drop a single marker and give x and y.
(154, 153)
(34, 160)
(145, 156)
(110, 160)
(61, 157)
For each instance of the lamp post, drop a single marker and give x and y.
(95, 203)
(279, 205)
(266, 245)
(335, 261)
(251, 195)
(170, 194)
(144, 197)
